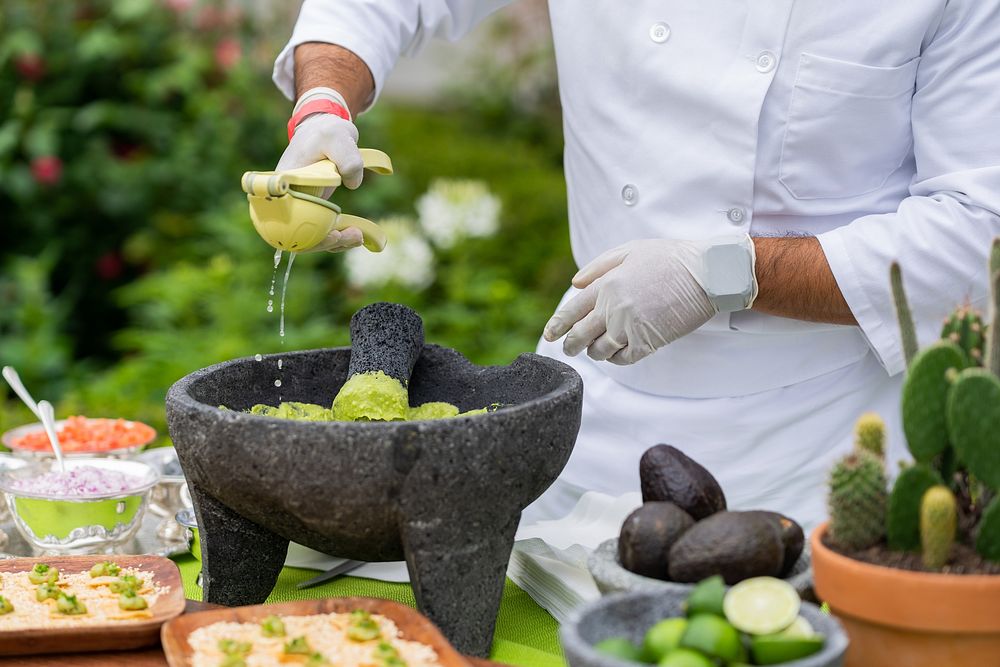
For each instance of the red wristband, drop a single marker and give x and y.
(316, 106)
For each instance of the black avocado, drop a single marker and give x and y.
(734, 545)
(792, 538)
(647, 535)
(667, 474)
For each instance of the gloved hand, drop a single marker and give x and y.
(330, 137)
(636, 298)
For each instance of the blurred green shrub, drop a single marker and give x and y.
(118, 116)
(193, 276)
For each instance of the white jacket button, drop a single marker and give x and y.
(630, 194)
(736, 215)
(659, 32)
(766, 62)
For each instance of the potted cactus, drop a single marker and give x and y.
(913, 568)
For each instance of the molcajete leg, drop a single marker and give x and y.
(240, 561)
(458, 570)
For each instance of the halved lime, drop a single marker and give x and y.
(714, 636)
(707, 597)
(663, 638)
(775, 649)
(800, 627)
(619, 647)
(683, 657)
(762, 605)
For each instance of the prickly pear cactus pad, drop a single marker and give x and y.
(974, 423)
(903, 516)
(988, 539)
(925, 397)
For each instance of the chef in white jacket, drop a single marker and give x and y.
(741, 174)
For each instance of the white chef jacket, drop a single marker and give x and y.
(874, 126)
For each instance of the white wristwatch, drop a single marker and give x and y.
(729, 276)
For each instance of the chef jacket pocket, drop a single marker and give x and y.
(848, 127)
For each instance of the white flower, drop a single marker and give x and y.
(453, 210)
(406, 260)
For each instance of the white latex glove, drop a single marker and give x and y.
(326, 136)
(636, 298)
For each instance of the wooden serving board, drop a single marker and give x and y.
(149, 657)
(117, 635)
(411, 623)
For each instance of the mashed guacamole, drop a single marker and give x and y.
(366, 397)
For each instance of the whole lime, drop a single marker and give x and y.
(663, 638)
(707, 597)
(683, 657)
(714, 636)
(619, 647)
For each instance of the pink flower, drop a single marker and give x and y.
(209, 18)
(227, 53)
(47, 169)
(30, 66)
(179, 6)
(109, 265)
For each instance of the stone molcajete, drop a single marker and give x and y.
(446, 495)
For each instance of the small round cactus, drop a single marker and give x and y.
(965, 328)
(869, 435)
(938, 518)
(857, 501)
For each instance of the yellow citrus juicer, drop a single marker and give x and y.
(289, 212)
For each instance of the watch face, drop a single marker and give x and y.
(728, 276)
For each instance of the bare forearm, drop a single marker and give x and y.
(319, 64)
(795, 281)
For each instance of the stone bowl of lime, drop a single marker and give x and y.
(282, 462)
(760, 621)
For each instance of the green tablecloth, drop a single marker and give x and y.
(526, 635)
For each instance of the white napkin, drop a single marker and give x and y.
(549, 560)
(304, 557)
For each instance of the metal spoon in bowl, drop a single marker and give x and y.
(14, 380)
(41, 410)
(48, 418)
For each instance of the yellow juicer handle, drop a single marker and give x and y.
(322, 174)
(375, 238)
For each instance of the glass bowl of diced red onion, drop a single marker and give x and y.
(93, 506)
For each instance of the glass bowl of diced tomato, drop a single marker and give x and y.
(81, 436)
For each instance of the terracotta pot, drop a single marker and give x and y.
(898, 618)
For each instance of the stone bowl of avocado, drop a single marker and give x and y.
(760, 621)
(445, 495)
(683, 533)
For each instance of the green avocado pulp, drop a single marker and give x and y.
(366, 397)
(373, 397)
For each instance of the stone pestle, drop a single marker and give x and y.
(386, 340)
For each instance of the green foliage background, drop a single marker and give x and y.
(137, 264)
